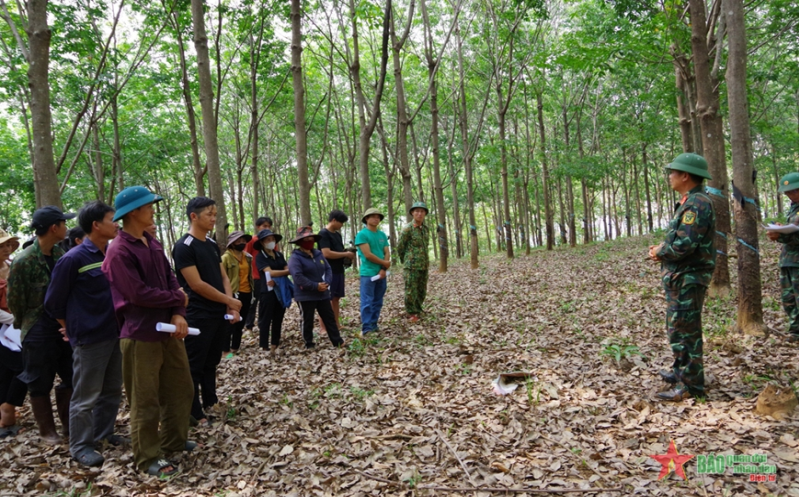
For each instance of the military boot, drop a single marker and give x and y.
(668, 376)
(43, 413)
(677, 394)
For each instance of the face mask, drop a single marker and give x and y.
(270, 246)
(239, 247)
(307, 244)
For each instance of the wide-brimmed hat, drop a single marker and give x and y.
(789, 182)
(370, 212)
(5, 237)
(132, 198)
(48, 216)
(691, 164)
(304, 232)
(419, 205)
(236, 235)
(267, 232)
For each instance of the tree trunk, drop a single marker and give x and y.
(299, 114)
(682, 110)
(550, 231)
(750, 306)
(644, 166)
(402, 118)
(44, 174)
(199, 171)
(707, 108)
(209, 121)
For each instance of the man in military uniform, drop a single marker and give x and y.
(412, 250)
(687, 256)
(789, 257)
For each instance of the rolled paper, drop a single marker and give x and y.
(228, 317)
(171, 328)
(377, 276)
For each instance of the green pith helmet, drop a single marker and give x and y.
(418, 205)
(369, 212)
(690, 163)
(789, 182)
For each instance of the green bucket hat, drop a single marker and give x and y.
(419, 205)
(132, 198)
(369, 212)
(789, 182)
(690, 163)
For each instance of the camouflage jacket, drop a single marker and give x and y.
(27, 285)
(689, 251)
(412, 246)
(789, 257)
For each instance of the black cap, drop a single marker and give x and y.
(48, 216)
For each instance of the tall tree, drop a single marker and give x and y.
(209, 120)
(300, 136)
(750, 306)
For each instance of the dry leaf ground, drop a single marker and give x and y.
(318, 423)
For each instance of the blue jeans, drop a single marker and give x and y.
(372, 293)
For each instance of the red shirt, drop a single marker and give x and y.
(250, 249)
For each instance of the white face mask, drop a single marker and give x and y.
(270, 246)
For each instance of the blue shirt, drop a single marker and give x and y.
(80, 294)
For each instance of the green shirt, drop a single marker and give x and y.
(412, 247)
(689, 251)
(789, 257)
(377, 241)
(27, 285)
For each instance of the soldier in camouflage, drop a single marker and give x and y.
(789, 257)
(412, 250)
(687, 256)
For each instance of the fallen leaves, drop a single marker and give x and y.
(412, 407)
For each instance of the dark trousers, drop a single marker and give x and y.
(325, 310)
(270, 320)
(789, 281)
(205, 352)
(684, 325)
(249, 323)
(234, 331)
(12, 389)
(43, 361)
(97, 378)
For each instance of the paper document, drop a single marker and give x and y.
(10, 337)
(377, 276)
(785, 229)
(170, 328)
(268, 278)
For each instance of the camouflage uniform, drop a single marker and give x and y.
(412, 250)
(689, 256)
(27, 285)
(789, 272)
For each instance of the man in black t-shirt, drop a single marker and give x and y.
(332, 247)
(198, 264)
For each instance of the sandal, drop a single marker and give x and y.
(117, 440)
(9, 431)
(89, 458)
(190, 446)
(158, 468)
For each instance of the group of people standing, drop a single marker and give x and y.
(113, 311)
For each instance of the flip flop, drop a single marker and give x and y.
(190, 446)
(89, 458)
(9, 431)
(157, 468)
(117, 440)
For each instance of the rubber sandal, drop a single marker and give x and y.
(190, 446)
(117, 440)
(9, 431)
(89, 458)
(157, 468)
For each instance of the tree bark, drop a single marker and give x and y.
(707, 108)
(750, 306)
(45, 179)
(300, 136)
(209, 121)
